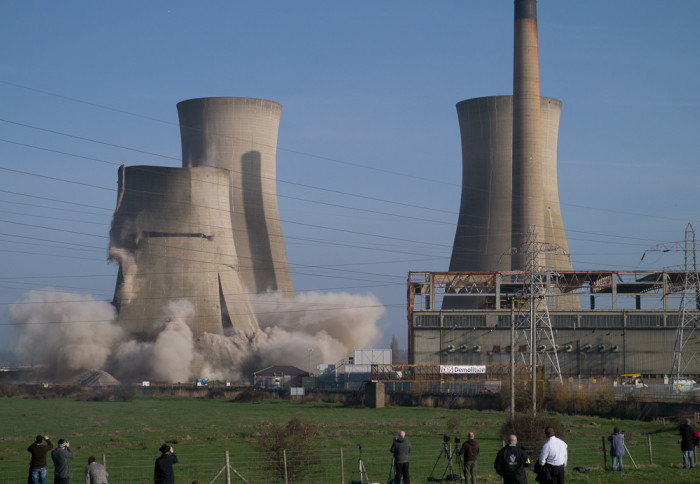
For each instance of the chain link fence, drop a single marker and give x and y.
(342, 465)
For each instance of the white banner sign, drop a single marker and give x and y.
(462, 369)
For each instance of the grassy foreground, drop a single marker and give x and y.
(128, 434)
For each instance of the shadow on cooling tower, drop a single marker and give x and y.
(261, 259)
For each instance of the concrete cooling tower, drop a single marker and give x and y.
(509, 172)
(171, 235)
(484, 234)
(240, 135)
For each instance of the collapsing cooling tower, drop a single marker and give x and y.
(240, 135)
(171, 235)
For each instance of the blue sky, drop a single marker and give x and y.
(369, 157)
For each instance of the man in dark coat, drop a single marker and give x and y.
(511, 462)
(163, 472)
(37, 466)
(61, 466)
(470, 451)
(401, 447)
(687, 445)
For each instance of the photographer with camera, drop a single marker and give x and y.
(470, 451)
(163, 472)
(401, 447)
(61, 466)
(37, 466)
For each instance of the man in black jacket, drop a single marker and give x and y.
(37, 466)
(687, 445)
(163, 472)
(511, 462)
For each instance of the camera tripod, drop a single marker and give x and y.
(448, 474)
(361, 469)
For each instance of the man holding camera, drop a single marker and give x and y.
(61, 466)
(401, 447)
(470, 451)
(37, 466)
(163, 471)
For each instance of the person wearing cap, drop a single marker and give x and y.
(37, 466)
(61, 466)
(95, 473)
(163, 472)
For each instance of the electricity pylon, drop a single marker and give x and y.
(688, 318)
(537, 322)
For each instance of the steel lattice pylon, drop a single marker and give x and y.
(535, 292)
(689, 291)
(687, 318)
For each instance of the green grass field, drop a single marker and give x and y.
(128, 434)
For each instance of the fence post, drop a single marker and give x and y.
(104, 460)
(649, 440)
(228, 469)
(284, 456)
(605, 454)
(342, 477)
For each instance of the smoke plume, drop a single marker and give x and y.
(70, 333)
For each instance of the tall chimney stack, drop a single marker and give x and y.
(528, 206)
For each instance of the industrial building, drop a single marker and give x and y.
(631, 323)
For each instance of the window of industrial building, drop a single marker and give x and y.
(672, 320)
(427, 320)
(504, 321)
(563, 320)
(464, 320)
(601, 320)
(644, 320)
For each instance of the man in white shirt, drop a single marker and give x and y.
(554, 456)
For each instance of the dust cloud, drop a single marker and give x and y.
(67, 333)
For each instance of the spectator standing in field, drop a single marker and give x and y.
(687, 445)
(401, 447)
(95, 473)
(553, 456)
(163, 472)
(511, 462)
(61, 466)
(37, 466)
(617, 448)
(470, 451)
